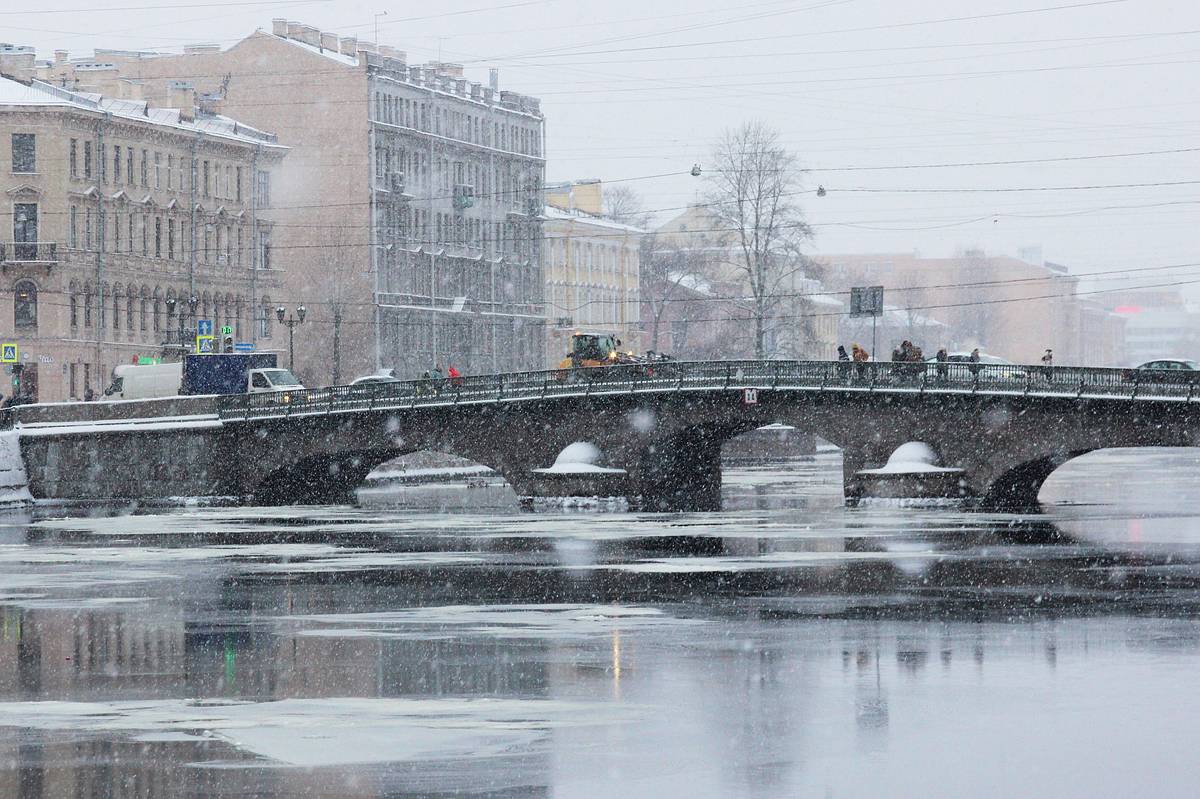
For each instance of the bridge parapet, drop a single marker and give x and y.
(672, 376)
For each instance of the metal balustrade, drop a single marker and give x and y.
(680, 376)
(29, 251)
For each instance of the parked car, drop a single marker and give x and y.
(964, 359)
(1164, 370)
(371, 379)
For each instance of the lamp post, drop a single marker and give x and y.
(291, 322)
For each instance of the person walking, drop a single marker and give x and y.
(843, 362)
(973, 363)
(455, 376)
(943, 365)
(1048, 365)
(860, 358)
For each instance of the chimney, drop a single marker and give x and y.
(329, 41)
(366, 47)
(310, 35)
(17, 62)
(349, 45)
(494, 80)
(279, 27)
(182, 95)
(61, 56)
(450, 70)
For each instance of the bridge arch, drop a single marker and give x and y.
(1016, 487)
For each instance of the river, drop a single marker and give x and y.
(438, 641)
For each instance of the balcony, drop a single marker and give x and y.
(36, 252)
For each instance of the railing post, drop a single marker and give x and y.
(499, 387)
(774, 376)
(329, 408)
(728, 375)
(246, 414)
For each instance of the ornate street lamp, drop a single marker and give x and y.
(291, 322)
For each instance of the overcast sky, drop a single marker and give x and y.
(633, 89)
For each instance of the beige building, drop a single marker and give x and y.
(125, 222)
(592, 270)
(1006, 306)
(410, 221)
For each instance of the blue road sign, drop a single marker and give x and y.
(206, 345)
(204, 327)
(243, 346)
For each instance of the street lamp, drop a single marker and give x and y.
(291, 322)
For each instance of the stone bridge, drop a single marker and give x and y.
(1007, 427)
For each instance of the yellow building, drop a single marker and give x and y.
(592, 270)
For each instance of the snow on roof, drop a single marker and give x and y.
(36, 93)
(347, 60)
(551, 212)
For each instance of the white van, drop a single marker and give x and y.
(145, 382)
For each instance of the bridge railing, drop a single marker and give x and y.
(946, 377)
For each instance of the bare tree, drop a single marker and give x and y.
(670, 272)
(623, 204)
(754, 181)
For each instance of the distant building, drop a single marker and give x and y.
(1004, 305)
(1158, 324)
(128, 221)
(592, 270)
(409, 208)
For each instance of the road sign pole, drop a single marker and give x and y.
(873, 320)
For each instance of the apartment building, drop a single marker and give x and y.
(128, 221)
(592, 269)
(410, 222)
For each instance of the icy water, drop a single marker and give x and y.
(438, 642)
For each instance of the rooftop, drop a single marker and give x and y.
(552, 213)
(37, 93)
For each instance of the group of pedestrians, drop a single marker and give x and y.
(434, 380)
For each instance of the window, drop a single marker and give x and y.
(146, 168)
(145, 235)
(116, 164)
(157, 170)
(24, 153)
(205, 184)
(73, 227)
(142, 310)
(87, 305)
(170, 170)
(158, 237)
(25, 311)
(87, 160)
(238, 187)
(264, 260)
(87, 229)
(171, 239)
(116, 309)
(129, 169)
(264, 189)
(73, 158)
(130, 302)
(116, 231)
(102, 155)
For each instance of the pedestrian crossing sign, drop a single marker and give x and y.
(206, 345)
(10, 353)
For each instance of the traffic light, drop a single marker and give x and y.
(17, 369)
(227, 344)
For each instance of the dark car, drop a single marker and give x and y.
(1164, 370)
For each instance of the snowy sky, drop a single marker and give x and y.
(635, 89)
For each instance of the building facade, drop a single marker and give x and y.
(592, 268)
(411, 225)
(124, 223)
(1006, 306)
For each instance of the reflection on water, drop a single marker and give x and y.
(787, 646)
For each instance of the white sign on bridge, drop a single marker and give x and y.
(750, 396)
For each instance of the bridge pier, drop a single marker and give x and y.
(681, 474)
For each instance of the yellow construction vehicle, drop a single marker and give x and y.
(590, 350)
